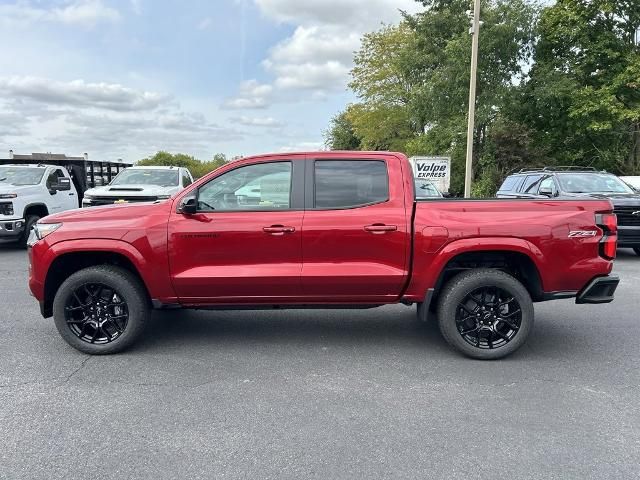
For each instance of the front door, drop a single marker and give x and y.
(244, 243)
(356, 231)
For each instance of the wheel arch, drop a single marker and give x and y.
(516, 263)
(68, 263)
(39, 209)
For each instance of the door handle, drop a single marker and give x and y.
(278, 229)
(378, 228)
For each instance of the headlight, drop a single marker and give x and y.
(87, 197)
(9, 195)
(41, 230)
(163, 197)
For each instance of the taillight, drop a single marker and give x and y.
(609, 243)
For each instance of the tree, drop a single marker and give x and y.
(195, 166)
(341, 134)
(412, 79)
(584, 95)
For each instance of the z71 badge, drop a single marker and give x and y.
(582, 233)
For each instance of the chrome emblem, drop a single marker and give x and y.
(120, 201)
(636, 213)
(582, 233)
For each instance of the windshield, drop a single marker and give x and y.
(426, 189)
(20, 175)
(132, 176)
(592, 183)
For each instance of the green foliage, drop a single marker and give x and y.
(583, 99)
(197, 167)
(341, 134)
(557, 85)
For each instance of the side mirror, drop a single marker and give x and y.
(188, 206)
(546, 191)
(63, 185)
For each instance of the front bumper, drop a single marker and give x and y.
(628, 236)
(11, 229)
(598, 290)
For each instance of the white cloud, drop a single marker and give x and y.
(83, 13)
(303, 147)
(318, 56)
(109, 120)
(363, 14)
(78, 93)
(205, 23)
(253, 95)
(269, 122)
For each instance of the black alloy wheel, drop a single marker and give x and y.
(96, 313)
(101, 310)
(488, 317)
(485, 313)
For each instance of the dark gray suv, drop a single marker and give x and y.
(571, 183)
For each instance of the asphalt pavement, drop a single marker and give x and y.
(321, 394)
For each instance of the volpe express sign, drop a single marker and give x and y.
(436, 169)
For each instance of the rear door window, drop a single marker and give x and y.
(341, 184)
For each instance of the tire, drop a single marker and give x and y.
(30, 221)
(121, 316)
(637, 250)
(495, 321)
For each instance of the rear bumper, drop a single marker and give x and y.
(598, 290)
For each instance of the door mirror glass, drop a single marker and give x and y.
(188, 206)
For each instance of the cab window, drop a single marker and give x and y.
(343, 184)
(53, 177)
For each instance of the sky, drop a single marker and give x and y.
(126, 78)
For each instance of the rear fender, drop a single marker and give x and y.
(428, 268)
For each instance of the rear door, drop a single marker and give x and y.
(356, 230)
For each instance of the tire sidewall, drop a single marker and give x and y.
(126, 286)
(463, 284)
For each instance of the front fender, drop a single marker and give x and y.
(152, 273)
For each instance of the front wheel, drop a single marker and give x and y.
(101, 310)
(485, 314)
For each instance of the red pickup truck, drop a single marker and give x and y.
(321, 230)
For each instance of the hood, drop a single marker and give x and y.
(18, 189)
(132, 190)
(618, 199)
(119, 212)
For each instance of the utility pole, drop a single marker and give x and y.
(475, 31)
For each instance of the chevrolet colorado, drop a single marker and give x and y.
(321, 230)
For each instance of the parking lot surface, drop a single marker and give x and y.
(321, 394)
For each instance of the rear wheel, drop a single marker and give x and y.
(637, 250)
(485, 314)
(30, 222)
(101, 310)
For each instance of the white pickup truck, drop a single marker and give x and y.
(30, 192)
(139, 184)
